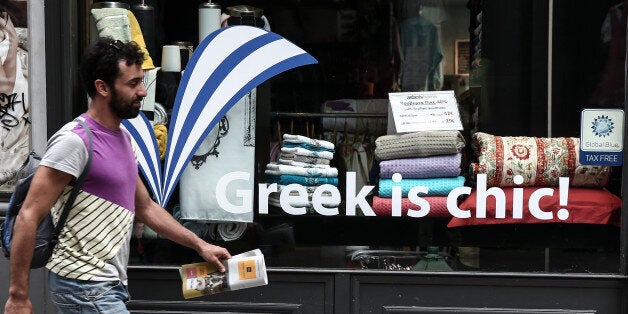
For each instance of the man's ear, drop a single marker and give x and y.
(101, 87)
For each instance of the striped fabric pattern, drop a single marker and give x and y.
(225, 66)
(94, 232)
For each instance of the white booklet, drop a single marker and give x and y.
(244, 270)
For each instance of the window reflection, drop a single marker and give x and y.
(494, 56)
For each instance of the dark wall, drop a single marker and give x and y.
(514, 53)
(321, 291)
(580, 63)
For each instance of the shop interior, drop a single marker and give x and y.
(492, 54)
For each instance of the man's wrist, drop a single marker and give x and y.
(18, 293)
(199, 245)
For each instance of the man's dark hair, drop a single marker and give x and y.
(101, 58)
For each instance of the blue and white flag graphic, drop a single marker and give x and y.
(227, 64)
(148, 156)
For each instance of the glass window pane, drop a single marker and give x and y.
(521, 79)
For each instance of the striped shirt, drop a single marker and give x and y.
(94, 242)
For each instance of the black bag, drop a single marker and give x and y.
(47, 234)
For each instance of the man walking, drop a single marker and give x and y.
(88, 265)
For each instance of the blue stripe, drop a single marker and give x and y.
(280, 67)
(191, 65)
(144, 149)
(196, 55)
(209, 88)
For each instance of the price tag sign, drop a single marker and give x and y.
(425, 111)
(602, 137)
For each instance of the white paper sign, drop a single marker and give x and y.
(425, 111)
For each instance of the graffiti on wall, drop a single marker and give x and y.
(15, 123)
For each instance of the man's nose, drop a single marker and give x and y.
(142, 91)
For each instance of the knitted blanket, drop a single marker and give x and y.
(436, 186)
(418, 144)
(424, 167)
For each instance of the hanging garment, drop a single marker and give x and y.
(421, 55)
(360, 165)
(229, 147)
(610, 89)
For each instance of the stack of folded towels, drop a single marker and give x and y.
(428, 158)
(304, 161)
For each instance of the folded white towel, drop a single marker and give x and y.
(306, 152)
(112, 22)
(306, 140)
(301, 164)
(330, 172)
(309, 189)
(275, 198)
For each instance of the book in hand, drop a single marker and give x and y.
(244, 270)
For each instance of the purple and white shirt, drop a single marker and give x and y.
(94, 243)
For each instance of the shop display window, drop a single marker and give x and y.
(521, 79)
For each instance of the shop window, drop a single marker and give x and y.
(520, 95)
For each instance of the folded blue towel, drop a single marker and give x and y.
(436, 186)
(286, 179)
(307, 146)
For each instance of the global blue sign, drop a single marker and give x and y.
(602, 137)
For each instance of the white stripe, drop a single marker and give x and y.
(254, 64)
(148, 163)
(220, 48)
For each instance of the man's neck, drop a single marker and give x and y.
(100, 112)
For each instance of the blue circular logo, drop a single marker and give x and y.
(602, 126)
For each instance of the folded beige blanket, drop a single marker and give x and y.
(418, 144)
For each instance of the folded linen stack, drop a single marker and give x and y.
(430, 159)
(304, 161)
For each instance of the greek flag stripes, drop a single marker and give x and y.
(227, 64)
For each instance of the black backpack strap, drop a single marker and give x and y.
(77, 184)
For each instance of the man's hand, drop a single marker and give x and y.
(158, 219)
(214, 254)
(15, 305)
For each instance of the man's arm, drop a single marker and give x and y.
(45, 188)
(158, 219)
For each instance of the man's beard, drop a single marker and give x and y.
(121, 108)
